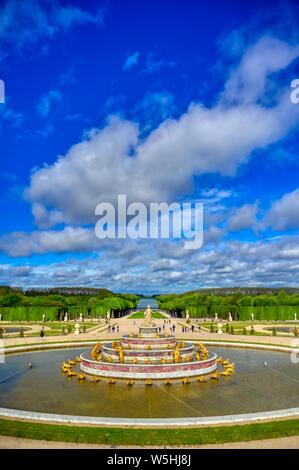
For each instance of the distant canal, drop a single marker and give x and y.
(148, 301)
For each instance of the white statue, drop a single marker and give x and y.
(0, 316)
(230, 318)
(219, 329)
(77, 327)
(187, 315)
(80, 319)
(65, 317)
(44, 317)
(108, 315)
(295, 316)
(252, 317)
(148, 320)
(216, 316)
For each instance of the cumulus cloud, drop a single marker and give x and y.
(243, 217)
(283, 213)
(162, 165)
(70, 239)
(164, 266)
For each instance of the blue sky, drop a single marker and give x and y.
(161, 101)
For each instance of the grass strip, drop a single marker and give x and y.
(149, 437)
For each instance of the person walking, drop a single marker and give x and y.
(42, 333)
(117, 329)
(113, 329)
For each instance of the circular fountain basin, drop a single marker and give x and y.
(253, 388)
(147, 371)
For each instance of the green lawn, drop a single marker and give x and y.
(145, 437)
(141, 315)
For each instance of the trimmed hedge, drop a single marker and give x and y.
(263, 313)
(29, 313)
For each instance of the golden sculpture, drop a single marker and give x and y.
(157, 335)
(148, 382)
(163, 361)
(215, 376)
(149, 347)
(167, 382)
(109, 359)
(187, 358)
(148, 320)
(134, 360)
(186, 380)
(149, 361)
(131, 335)
(201, 378)
(111, 381)
(176, 355)
(121, 354)
(130, 382)
(165, 335)
(169, 346)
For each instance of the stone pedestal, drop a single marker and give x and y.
(148, 331)
(219, 329)
(77, 327)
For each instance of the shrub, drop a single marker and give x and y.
(232, 331)
(274, 331)
(212, 328)
(21, 332)
(252, 330)
(244, 331)
(69, 329)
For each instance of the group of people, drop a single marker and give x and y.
(112, 329)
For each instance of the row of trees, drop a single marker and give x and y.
(206, 305)
(16, 303)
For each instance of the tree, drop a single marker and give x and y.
(11, 300)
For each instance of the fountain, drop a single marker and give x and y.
(148, 355)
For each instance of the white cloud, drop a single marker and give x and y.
(167, 267)
(243, 217)
(283, 213)
(25, 22)
(70, 239)
(131, 61)
(115, 160)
